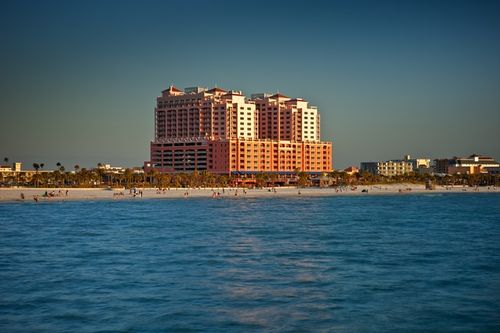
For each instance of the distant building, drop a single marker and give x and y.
(441, 165)
(493, 170)
(351, 170)
(5, 168)
(474, 164)
(387, 168)
(418, 162)
(224, 132)
(397, 167)
(16, 167)
(419, 165)
(111, 169)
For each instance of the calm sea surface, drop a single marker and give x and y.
(411, 263)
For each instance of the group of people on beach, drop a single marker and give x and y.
(53, 194)
(135, 192)
(162, 190)
(345, 189)
(48, 195)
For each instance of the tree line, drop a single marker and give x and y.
(100, 177)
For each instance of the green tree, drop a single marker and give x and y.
(61, 175)
(128, 176)
(303, 179)
(152, 176)
(36, 166)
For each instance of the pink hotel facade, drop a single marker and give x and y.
(224, 132)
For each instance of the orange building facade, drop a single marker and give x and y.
(224, 132)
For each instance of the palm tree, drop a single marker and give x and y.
(128, 176)
(61, 173)
(36, 166)
(152, 174)
(303, 180)
(76, 178)
(6, 160)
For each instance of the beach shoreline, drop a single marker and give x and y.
(72, 194)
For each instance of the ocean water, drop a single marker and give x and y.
(409, 263)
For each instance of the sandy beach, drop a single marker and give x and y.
(64, 194)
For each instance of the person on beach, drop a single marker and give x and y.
(22, 196)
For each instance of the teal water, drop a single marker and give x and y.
(411, 263)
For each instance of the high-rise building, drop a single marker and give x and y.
(224, 132)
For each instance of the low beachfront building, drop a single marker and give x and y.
(474, 164)
(16, 167)
(108, 168)
(220, 131)
(387, 168)
(397, 167)
(417, 163)
(351, 170)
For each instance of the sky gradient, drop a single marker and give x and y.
(78, 79)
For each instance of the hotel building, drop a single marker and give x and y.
(387, 168)
(474, 164)
(225, 132)
(396, 167)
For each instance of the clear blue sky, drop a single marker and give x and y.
(78, 79)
